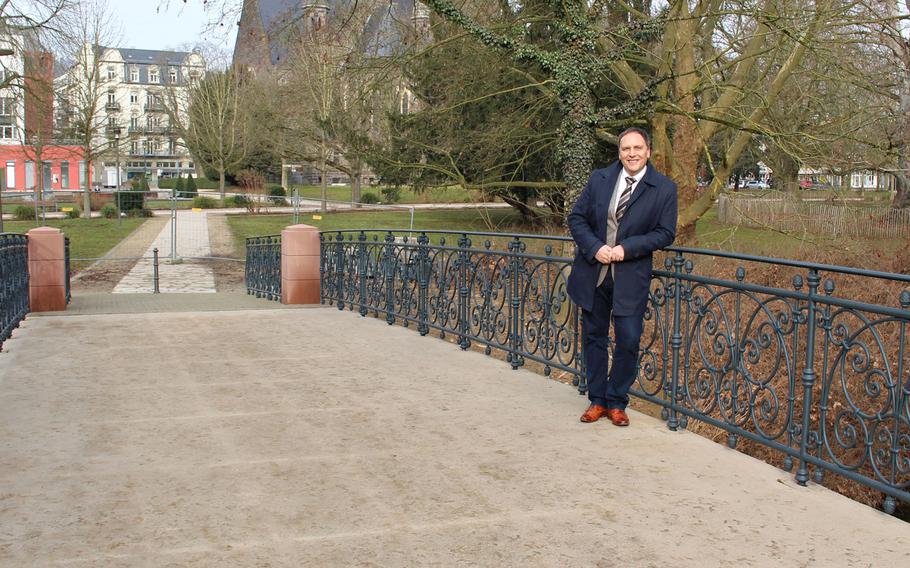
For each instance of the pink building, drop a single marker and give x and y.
(62, 168)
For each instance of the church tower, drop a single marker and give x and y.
(316, 15)
(421, 19)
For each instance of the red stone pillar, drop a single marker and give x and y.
(300, 265)
(46, 270)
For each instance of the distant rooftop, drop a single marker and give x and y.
(131, 55)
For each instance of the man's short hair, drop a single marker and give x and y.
(637, 130)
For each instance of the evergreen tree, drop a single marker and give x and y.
(179, 187)
(191, 190)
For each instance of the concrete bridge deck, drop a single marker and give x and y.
(310, 437)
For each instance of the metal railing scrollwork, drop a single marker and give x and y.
(13, 283)
(263, 267)
(820, 379)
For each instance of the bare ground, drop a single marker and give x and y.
(229, 274)
(104, 274)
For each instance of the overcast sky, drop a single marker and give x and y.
(152, 24)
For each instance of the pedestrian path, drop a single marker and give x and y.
(182, 276)
(319, 438)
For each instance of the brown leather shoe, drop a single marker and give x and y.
(594, 413)
(617, 417)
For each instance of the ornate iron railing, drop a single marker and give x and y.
(66, 264)
(263, 267)
(821, 379)
(13, 283)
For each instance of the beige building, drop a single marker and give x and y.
(132, 119)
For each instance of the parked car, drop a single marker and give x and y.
(756, 184)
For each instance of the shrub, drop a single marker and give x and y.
(239, 200)
(74, 212)
(276, 194)
(139, 212)
(202, 202)
(369, 197)
(190, 190)
(24, 213)
(109, 211)
(391, 193)
(135, 198)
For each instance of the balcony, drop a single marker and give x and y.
(154, 107)
(158, 154)
(112, 107)
(151, 130)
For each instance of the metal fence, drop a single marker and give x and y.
(263, 267)
(822, 379)
(786, 213)
(67, 268)
(13, 283)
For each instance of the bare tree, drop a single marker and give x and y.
(90, 30)
(334, 97)
(22, 24)
(212, 118)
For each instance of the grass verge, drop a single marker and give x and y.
(499, 220)
(88, 238)
(406, 194)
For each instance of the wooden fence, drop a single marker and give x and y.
(792, 215)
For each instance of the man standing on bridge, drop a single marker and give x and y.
(625, 213)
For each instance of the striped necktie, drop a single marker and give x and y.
(623, 203)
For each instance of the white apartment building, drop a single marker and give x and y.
(135, 85)
(12, 110)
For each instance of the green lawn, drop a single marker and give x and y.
(407, 195)
(501, 220)
(870, 253)
(88, 238)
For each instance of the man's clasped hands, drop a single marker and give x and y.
(607, 254)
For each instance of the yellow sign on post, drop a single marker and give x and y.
(196, 209)
(317, 217)
(66, 209)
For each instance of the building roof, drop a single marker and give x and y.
(382, 34)
(151, 55)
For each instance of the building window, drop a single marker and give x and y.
(870, 181)
(10, 175)
(134, 122)
(111, 73)
(112, 122)
(134, 74)
(111, 97)
(153, 75)
(134, 98)
(194, 78)
(7, 117)
(29, 175)
(172, 75)
(64, 174)
(82, 177)
(856, 180)
(134, 147)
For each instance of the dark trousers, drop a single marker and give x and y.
(609, 386)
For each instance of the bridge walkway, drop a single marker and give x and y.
(220, 430)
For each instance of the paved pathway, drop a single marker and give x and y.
(313, 437)
(176, 277)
